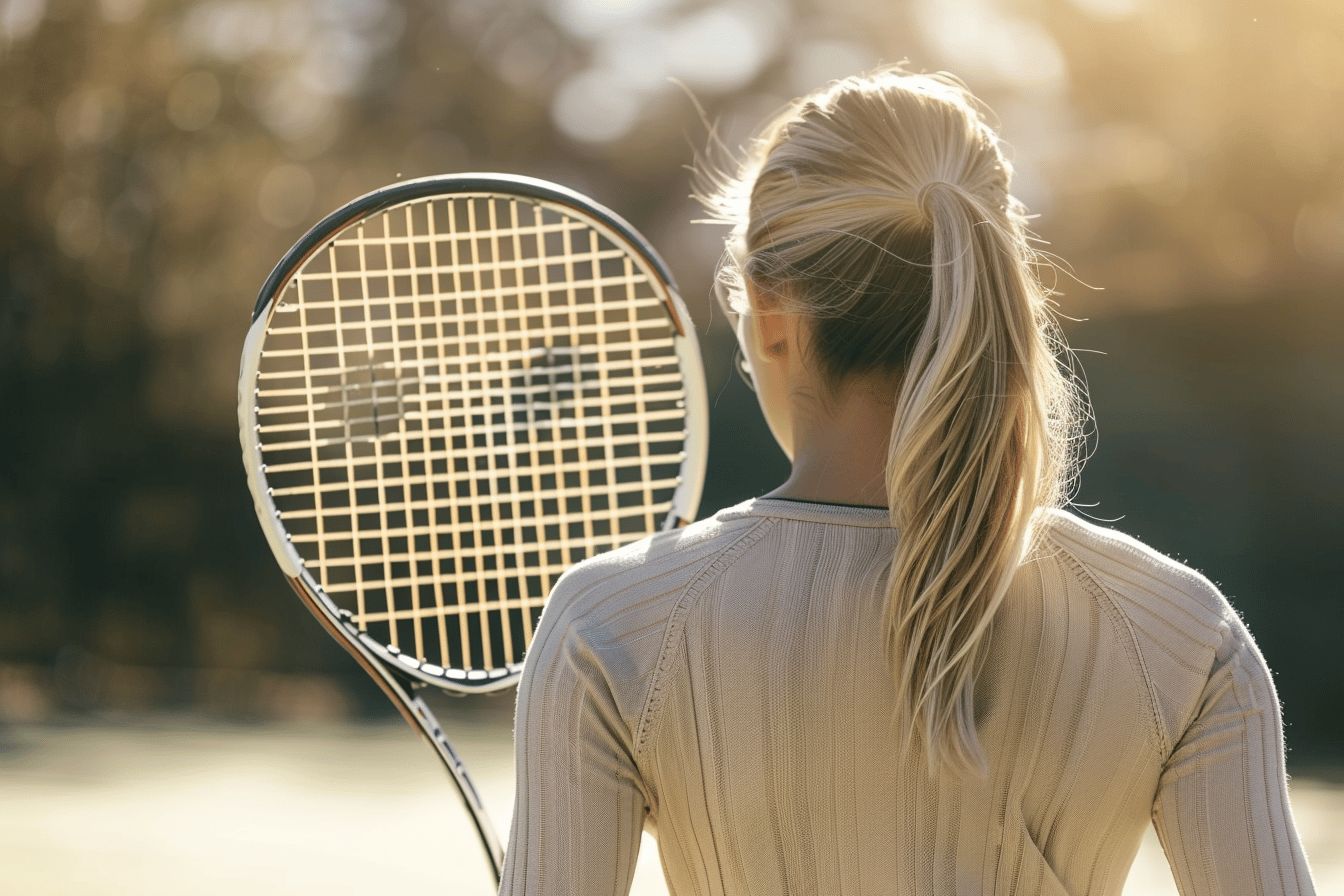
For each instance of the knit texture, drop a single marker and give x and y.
(725, 686)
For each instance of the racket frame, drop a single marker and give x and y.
(398, 675)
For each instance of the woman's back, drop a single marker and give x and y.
(727, 685)
(955, 690)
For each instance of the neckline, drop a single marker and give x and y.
(861, 515)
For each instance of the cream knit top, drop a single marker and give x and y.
(725, 686)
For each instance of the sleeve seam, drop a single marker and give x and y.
(672, 640)
(1113, 609)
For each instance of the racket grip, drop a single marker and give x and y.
(419, 717)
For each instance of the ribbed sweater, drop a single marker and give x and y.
(725, 685)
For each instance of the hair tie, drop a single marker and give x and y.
(922, 197)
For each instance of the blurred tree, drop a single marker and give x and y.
(156, 158)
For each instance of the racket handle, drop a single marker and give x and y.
(418, 716)
(430, 728)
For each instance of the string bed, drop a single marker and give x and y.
(457, 399)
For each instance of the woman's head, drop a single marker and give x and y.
(832, 212)
(876, 213)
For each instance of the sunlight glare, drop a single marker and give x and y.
(982, 41)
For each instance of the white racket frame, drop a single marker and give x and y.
(399, 675)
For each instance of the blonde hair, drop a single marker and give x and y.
(879, 206)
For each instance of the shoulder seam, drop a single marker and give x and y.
(1130, 546)
(653, 701)
(1104, 598)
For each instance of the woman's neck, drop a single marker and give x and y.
(840, 445)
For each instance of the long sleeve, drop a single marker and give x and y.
(580, 805)
(1221, 810)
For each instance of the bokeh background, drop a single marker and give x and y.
(166, 706)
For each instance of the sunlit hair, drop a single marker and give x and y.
(879, 207)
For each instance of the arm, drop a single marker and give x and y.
(1221, 809)
(579, 806)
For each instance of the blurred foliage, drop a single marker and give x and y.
(156, 158)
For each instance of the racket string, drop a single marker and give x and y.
(455, 397)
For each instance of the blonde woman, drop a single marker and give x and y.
(907, 669)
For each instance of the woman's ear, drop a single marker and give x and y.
(762, 299)
(773, 327)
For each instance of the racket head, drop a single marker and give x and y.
(445, 400)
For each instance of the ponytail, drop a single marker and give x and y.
(881, 205)
(969, 444)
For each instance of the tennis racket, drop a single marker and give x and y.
(453, 389)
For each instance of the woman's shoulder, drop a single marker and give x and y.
(1174, 617)
(645, 578)
(608, 616)
(1137, 573)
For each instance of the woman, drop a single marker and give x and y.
(906, 669)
